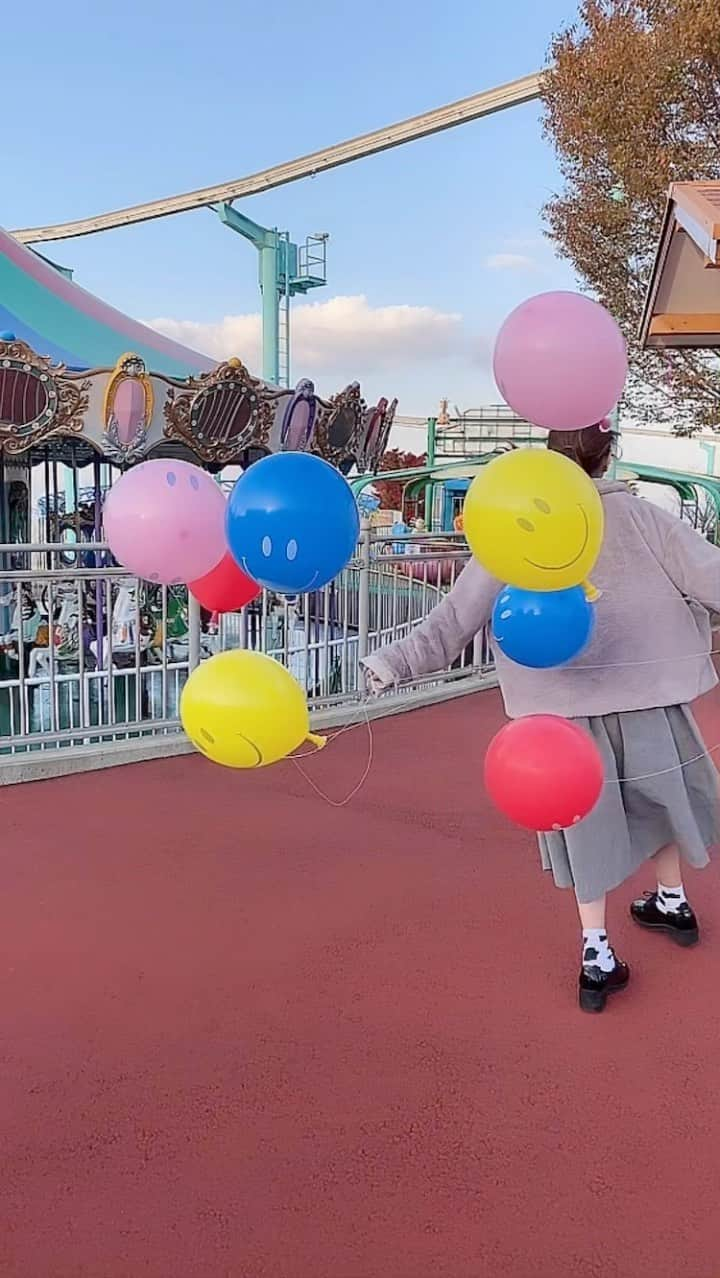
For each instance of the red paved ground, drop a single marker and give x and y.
(262, 1038)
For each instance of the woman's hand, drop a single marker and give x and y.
(375, 684)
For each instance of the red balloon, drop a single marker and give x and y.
(225, 588)
(544, 772)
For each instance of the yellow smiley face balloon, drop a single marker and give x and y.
(244, 710)
(534, 519)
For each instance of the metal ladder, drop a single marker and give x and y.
(284, 294)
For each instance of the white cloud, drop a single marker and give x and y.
(510, 262)
(344, 337)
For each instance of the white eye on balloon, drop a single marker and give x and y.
(266, 547)
(291, 549)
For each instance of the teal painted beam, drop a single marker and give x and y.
(265, 241)
(258, 235)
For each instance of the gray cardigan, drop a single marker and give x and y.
(659, 581)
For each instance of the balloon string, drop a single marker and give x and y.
(365, 722)
(651, 661)
(647, 776)
(664, 772)
(648, 661)
(341, 803)
(349, 727)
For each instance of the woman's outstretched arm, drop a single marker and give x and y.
(693, 564)
(443, 635)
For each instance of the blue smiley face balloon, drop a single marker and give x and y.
(542, 629)
(292, 523)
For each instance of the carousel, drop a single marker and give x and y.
(68, 424)
(86, 392)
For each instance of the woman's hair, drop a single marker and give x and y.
(590, 449)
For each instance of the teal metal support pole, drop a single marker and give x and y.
(269, 287)
(710, 451)
(430, 487)
(431, 438)
(283, 273)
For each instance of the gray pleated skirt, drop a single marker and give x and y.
(639, 811)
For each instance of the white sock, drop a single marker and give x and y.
(596, 951)
(669, 899)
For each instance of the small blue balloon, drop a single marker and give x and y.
(292, 522)
(542, 629)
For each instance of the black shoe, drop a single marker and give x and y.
(595, 985)
(681, 924)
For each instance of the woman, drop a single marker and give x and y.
(648, 659)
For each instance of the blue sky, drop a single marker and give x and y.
(431, 245)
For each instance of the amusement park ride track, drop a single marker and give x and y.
(475, 107)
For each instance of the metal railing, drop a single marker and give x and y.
(89, 654)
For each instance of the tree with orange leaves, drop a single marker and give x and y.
(391, 491)
(632, 104)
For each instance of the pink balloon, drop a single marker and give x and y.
(561, 361)
(165, 521)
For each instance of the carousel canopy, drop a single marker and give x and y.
(79, 379)
(63, 322)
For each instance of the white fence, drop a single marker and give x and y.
(89, 655)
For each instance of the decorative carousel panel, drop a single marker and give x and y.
(377, 432)
(36, 399)
(298, 420)
(221, 414)
(373, 425)
(128, 409)
(384, 437)
(339, 431)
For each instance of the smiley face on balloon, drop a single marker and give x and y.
(534, 519)
(164, 521)
(292, 522)
(241, 709)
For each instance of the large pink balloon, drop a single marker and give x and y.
(561, 361)
(165, 521)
